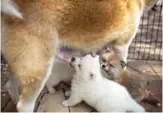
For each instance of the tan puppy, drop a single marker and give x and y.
(29, 45)
(135, 85)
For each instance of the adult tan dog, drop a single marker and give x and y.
(29, 45)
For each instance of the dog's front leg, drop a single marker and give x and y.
(124, 48)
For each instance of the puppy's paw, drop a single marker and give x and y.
(65, 103)
(24, 106)
(51, 90)
(67, 93)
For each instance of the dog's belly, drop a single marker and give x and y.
(65, 53)
(91, 24)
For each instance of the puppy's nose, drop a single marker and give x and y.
(73, 59)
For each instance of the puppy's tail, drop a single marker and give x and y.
(10, 8)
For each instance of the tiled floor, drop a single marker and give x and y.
(52, 102)
(150, 69)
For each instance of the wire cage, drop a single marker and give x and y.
(147, 44)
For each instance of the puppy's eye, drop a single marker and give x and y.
(79, 66)
(111, 65)
(104, 60)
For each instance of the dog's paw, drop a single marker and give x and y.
(65, 103)
(51, 90)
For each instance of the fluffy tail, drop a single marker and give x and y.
(10, 8)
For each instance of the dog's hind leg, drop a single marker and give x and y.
(31, 59)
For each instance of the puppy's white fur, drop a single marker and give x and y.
(104, 95)
(10, 8)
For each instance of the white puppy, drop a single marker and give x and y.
(90, 86)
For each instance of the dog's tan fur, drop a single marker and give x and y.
(87, 25)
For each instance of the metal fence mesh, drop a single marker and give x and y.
(147, 44)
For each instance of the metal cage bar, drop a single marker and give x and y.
(147, 44)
